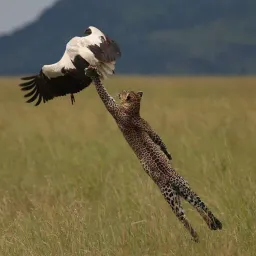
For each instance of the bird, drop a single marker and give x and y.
(93, 50)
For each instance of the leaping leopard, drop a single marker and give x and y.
(153, 155)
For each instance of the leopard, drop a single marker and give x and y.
(153, 155)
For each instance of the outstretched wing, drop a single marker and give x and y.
(107, 51)
(41, 88)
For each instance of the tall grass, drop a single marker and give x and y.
(70, 185)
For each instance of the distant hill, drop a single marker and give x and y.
(156, 37)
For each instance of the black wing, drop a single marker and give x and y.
(107, 51)
(40, 87)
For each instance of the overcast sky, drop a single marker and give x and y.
(15, 13)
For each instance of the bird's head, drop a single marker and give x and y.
(130, 100)
(87, 32)
(93, 30)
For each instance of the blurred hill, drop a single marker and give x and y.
(156, 37)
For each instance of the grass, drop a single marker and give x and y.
(70, 185)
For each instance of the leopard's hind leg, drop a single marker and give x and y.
(174, 201)
(190, 196)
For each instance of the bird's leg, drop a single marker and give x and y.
(72, 97)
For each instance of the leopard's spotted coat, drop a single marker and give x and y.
(153, 155)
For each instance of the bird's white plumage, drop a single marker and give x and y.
(54, 70)
(79, 46)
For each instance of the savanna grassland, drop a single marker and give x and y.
(70, 185)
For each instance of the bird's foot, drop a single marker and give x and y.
(91, 67)
(91, 71)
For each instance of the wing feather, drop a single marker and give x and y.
(39, 100)
(107, 51)
(32, 98)
(31, 93)
(27, 88)
(28, 77)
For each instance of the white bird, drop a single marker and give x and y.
(68, 76)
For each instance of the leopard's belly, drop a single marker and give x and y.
(152, 159)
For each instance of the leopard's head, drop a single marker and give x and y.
(130, 100)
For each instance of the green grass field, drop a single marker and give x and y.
(70, 185)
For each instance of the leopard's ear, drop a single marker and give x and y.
(140, 94)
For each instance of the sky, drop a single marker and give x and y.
(16, 13)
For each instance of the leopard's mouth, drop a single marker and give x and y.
(121, 97)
